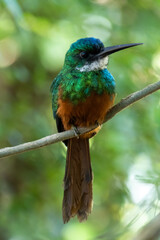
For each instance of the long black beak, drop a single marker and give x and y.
(109, 50)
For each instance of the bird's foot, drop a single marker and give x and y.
(76, 131)
(98, 124)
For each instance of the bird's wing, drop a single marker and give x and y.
(60, 126)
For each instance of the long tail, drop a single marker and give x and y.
(77, 198)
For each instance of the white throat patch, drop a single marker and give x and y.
(96, 65)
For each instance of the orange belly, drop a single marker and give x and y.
(85, 113)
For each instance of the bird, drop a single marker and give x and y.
(82, 94)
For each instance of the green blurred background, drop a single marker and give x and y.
(34, 36)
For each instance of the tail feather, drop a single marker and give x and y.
(77, 198)
(86, 182)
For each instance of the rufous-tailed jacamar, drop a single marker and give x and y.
(82, 93)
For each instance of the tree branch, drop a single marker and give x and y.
(134, 97)
(150, 231)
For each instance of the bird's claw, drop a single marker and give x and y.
(76, 132)
(98, 124)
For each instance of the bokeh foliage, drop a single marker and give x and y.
(34, 36)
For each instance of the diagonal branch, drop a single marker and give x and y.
(125, 102)
(150, 231)
(132, 98)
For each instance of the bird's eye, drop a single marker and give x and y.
(84, 54)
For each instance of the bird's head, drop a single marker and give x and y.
(89, 54)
